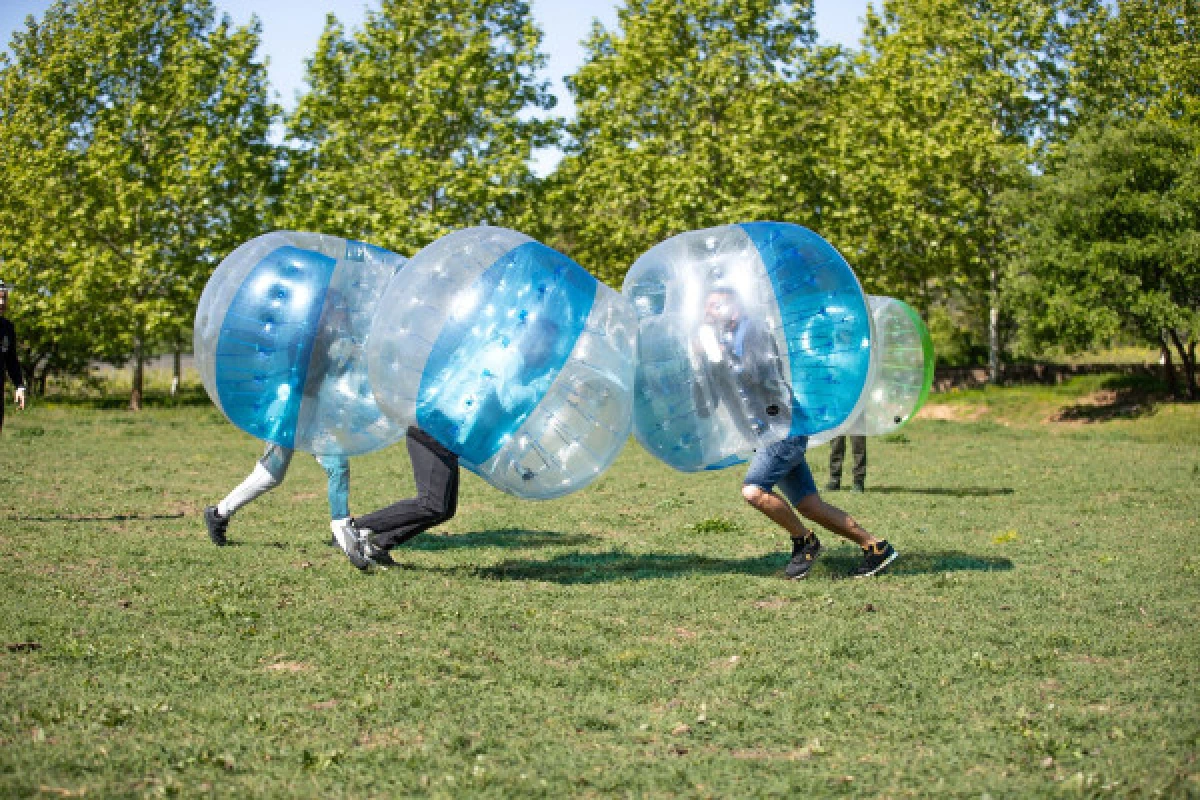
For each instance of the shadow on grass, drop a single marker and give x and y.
(922, 562)
(585, 568)
(96, 517)
(501, 537)
(960, 491)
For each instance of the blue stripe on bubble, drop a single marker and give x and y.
(266, 340)
(504, 343)
(826, 321)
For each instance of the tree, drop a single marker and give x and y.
(1111, 241)
(1136, 58)
(940, 119)
(136, 156)
(694, 113)
(420, 123)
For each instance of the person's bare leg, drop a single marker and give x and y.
(777, 509)
(814, 508)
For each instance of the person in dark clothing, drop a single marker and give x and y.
(10, 367)
(837, 455)
(435, 470)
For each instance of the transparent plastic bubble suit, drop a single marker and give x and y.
(280, 340)
(512, 356)
(747, 334)
(903, 357)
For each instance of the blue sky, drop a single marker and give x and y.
(290, 29)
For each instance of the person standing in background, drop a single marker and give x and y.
(11, 368)
(837, 455)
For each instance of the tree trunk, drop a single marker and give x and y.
(993, 333)
(40, 372)
(175, 374)
(135, 394)
(1189, 365)
(1168, 364)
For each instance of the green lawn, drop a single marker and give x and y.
(1038, 636)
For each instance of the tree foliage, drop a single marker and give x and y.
(134, 139)
(939, 119)
(1111, 241)
(692, 113)
(422, 122)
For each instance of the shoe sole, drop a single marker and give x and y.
(895, 554)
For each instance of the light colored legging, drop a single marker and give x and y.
(270, 471)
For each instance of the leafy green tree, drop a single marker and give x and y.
(692, 113)
(1111, 242)
(937, 121)
(1136, 58)
(422, 122)
(135, 153)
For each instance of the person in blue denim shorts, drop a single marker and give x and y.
(782, 464)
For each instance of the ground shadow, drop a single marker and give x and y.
(1123, 405)
(97, 517)
(922, 562)
(500, 537)
(957, 491)
(587, 568)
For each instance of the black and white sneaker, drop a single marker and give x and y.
(347, 539)
(374, 553)
(216, 525)
(876, 559)
(804, 553)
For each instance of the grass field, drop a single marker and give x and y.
(1038, 637)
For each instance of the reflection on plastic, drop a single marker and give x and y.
(746, 334)
(511, 355)
(280, 338)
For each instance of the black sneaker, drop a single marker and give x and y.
(348, 541)
(859, 488)
(804, 553)
(833, 486)
(876, 559)
(216, 525)
(374, 553)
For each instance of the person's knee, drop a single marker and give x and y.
(754, 495)
(269, 478)
(438, 510)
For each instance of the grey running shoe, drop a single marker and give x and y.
(216, 525)
(876, 559)
(374, 553)
(347, 540)
(804, 553)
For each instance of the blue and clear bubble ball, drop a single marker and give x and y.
(280, 341)
(747, 334)
(511, 355)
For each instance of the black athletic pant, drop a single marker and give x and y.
(837, 454)
(435, 469)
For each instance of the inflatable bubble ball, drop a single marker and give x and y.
(511, 355)
(902, 376)
(747, 334)
(280, 340)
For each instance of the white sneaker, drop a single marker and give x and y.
(347, 539)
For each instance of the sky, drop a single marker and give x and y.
(290, 29)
